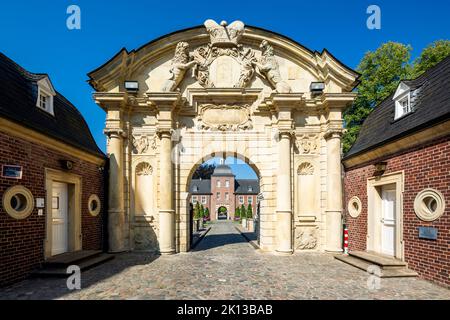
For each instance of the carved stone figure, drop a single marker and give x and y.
(269, 68)
(247, 71)
(141, 144)
(306, 239)
(180, 64)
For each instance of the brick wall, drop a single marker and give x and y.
(22, 241)
(427, 166)
(223, 189)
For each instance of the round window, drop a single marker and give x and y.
(429, 205)
(354, 207)
(18, 202)
(94, 205)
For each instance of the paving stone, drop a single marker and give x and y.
(225, 266)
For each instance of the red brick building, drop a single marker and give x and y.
(223, 190)
(397, 180)
(52, 175)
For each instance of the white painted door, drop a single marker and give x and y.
(388, 222)
(60, 219)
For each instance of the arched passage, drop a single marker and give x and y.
(219, 189)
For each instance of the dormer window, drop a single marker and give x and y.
(195, 188)
(402, 99)
(250, 188)
(45, 95)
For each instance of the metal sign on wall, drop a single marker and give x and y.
(429, 233)
(11, 172)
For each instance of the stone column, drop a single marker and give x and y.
(284, 199)
(116, 211)
(166, 211)
(334, 193)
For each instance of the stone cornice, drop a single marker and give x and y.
(107, 100)
(219, 96)
(337, 100)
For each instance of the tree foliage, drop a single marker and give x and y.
(430, 56)
(381, 72)
(243, 212)
(204, 171)
(249, 211)
(237, 214)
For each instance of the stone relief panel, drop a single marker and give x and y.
(145, 238)
(142, 144)
(306, 238)
(224, 117)
(307, 144)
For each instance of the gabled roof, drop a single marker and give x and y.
(430, 101)
(18, 97)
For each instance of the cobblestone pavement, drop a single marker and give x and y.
(225, 266)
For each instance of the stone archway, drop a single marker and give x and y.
(222, 213)
(225, 88)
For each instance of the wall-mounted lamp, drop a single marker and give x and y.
(132, 86)
(101, 169)
(380, 168)
(66, 164)
(317, 87)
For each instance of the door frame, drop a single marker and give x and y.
(73, 182)
(374, 207)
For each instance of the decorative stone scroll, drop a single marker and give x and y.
(224, 117)
(225, 56)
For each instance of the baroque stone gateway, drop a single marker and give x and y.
(221, 90)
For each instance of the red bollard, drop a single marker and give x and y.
(346, 241)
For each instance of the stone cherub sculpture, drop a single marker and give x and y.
(180, 64)
(269, 68)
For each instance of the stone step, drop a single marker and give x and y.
(61, 271)
(376, 269)
(379, 259)
(71, 258)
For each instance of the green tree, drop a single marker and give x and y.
(249, 211)
(197, 211)
(237, 214)
(207, 213)
(204, 171)
(202, 211)
(430, 56)
(243, 212)
(381, 71)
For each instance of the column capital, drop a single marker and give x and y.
(286, 133)
(164, 132)
(115, 133)
(164, 100)
(333, 134)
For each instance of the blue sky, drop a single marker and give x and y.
(34, 33)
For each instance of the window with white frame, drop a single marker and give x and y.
(227, 183)
(203, 199)
(241, 199)
(227, 196)
(402, 99)
(218, 195)
(194, 199)
(45, 96)
(218, 184)
(250, 200)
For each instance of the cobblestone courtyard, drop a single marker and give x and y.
(225, 266)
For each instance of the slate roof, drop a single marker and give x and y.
(204, 186)
(18, 97)
(430, 101)
(240, 186)
(223, 170)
